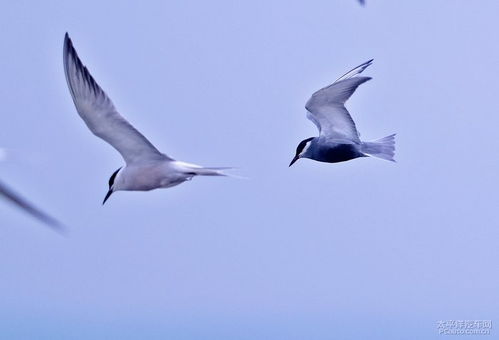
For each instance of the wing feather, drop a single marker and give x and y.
(99, 114)
(326, 108)
(23, 204)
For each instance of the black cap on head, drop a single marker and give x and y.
(299, 149)
(113, 177)
(111, 183)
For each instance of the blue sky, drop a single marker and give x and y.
(362, 249)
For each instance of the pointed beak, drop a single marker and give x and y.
(109, 193)
(294, 160)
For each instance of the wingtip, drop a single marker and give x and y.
(367, 64)
(355, 71)
(67, 44)
(59, 228)
(51, 222)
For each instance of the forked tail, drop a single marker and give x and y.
(200, 170)
(383, 148)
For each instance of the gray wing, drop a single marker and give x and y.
(326, 108)
(99, 113)
(23, 204)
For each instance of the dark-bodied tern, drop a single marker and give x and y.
(338, 139)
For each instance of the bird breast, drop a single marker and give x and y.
(148, 177)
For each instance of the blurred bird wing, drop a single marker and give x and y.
(23, 204)
(326, 108)
(98, 112)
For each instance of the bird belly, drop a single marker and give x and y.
(151, 177)
(173, 180)
(337, 153)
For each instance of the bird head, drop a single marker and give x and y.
(111, 185)
(302, 149)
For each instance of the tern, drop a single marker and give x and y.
(338, 139)
(14, 198)
(145, 168)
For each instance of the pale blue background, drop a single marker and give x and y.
(366, 249)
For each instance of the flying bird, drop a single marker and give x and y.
(338, 139)
(14, 198)
(145, 168)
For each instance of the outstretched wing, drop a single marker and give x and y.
(326, 108)
(23, 204)
(99, 113)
